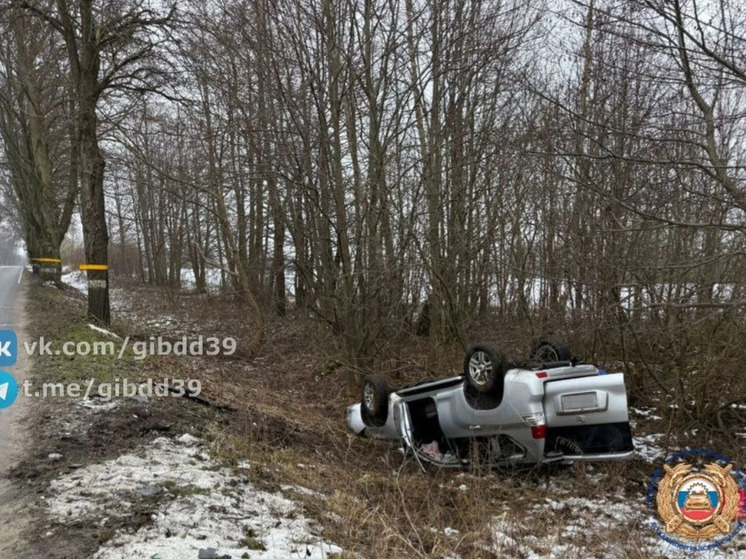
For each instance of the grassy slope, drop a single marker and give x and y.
(289, 424)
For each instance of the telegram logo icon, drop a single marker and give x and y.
(8, 390)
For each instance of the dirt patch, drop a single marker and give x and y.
(73, 435)
(69, 434)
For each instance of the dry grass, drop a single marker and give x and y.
(290, 428)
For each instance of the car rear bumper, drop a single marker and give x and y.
(599, 457)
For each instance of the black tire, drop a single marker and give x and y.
(374, 401)
(484, 369)
(549, 350)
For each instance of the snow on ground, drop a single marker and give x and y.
(648, 447)
(77, 280)
(103, 331)
(163, 322)
(207, 507)
(212, 278)
(581, 525)
(648, 414)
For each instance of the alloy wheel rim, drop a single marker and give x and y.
(547, 354)
(480, 367)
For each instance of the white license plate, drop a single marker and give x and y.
(579, 402)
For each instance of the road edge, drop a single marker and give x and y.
(15, 510)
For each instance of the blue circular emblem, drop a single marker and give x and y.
(699, 496)
(8, 390)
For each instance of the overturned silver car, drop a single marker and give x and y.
(549, 408)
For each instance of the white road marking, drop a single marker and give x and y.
(20, 276)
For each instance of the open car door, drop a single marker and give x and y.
(587, 418)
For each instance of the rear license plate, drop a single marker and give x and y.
(579, 402)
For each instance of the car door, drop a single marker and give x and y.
(587, 417)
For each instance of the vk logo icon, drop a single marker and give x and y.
(8, 348)
(8, 389)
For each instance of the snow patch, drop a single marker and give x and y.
(647, 447)
(103, 331)
(646, 413)
(578, 521)
(212, 278)
(97, 404)
(188, 440)
(209, 506)
(77, 280)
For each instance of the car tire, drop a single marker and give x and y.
(374, 401)
(484, 369)
(549, 350)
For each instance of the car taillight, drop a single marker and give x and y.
(542, 374)
(538, 425)
(539, 431)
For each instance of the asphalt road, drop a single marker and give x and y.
(13, 502)
(9, 289)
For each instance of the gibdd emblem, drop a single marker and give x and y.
(698, 502)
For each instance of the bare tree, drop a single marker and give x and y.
(110, 45)
(34, 129)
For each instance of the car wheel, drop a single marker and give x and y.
(549, 350)
(374, 403)
(484, 368)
